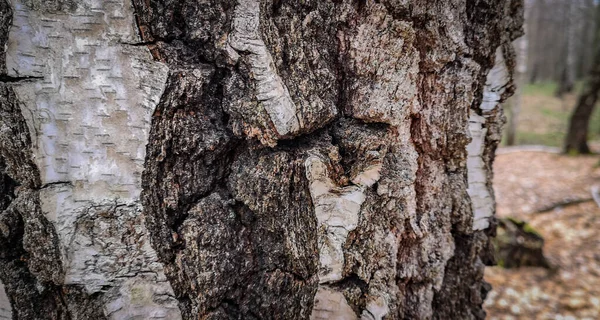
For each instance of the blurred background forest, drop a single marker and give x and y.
(547, 171)
(555, 58)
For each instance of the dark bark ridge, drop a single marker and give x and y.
(359, 87)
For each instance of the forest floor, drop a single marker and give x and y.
(552, 192)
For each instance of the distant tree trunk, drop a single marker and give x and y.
(577, 134)
(566, 81)
(514, 103)
(586, 43)
(536, 39)
(250, 159)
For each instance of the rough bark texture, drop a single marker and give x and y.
(304, 159)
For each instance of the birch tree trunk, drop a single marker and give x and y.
(537, 32)
(586, 46)
(566, 80)
(250, 159)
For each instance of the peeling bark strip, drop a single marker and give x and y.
(271, 92)
(287, 159)
(498, 80)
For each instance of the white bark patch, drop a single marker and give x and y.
(271, 90)
(331, 305)
(138, 298)
(372, 173)
(481, 198)
(482, 202)
(495, 84)
(337, 210)
(89, 116)
(5, 309)
(337, 213)
(376, 309)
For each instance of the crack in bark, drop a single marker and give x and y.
(6, 79)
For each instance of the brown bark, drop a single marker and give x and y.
(420, 221)
(577, 134)
(305, 159)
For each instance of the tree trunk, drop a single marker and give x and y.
(514, 103)
(577, 134)
(250, 159)
(566, 81)
(586, 43)
(537, 56)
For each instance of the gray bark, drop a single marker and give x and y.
(250, 159)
